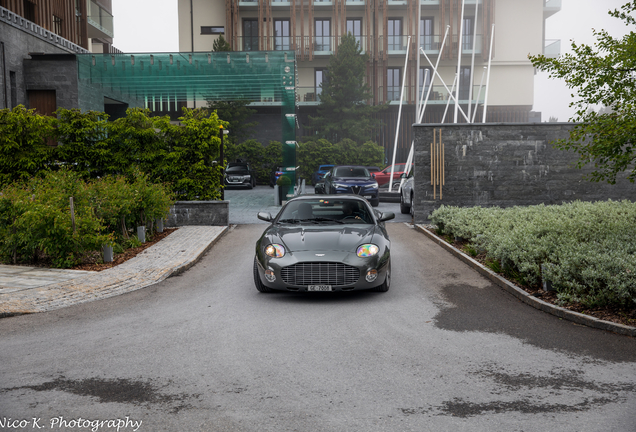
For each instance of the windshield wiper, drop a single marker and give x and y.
(288, 221)
(322, 219)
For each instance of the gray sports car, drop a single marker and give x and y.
(324, 243)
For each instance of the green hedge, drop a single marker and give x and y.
(587, 249)
(36, 221)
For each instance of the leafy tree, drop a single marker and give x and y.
(82, 141)
(343, 111)
(23, 149)
(602, 75)
(237, 113)
(221, 45)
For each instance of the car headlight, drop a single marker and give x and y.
(367, 250)
(340, 185)
(373, 185)
(275, 250)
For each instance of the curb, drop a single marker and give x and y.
(109, 282)
(520, 294)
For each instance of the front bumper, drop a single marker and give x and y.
(351, 260)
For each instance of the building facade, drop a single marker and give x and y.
(313, 28)
(39, 44)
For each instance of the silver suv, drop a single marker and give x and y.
(406, 194)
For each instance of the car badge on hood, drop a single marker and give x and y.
(320, 254)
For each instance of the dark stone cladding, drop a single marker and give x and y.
(505, 165)
(199, 213)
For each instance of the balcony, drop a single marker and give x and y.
(100, 22)
(316, 45)
(438, 96)
(551, 7)
(552, 48)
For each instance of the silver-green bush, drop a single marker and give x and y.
(588, 250)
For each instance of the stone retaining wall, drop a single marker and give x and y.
(199, 213)
(504, 164)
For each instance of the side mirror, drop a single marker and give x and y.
(373, 175)
(403, 175)
(387, 216)
(266, 216)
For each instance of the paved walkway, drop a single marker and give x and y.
(29, 290)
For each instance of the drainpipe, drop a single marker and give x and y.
(191, 26)
(4, 77)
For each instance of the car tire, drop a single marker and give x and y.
(257, 280)
(387, 281)
(404, 209)
(250, 185)
(375, 202)
(411, 209)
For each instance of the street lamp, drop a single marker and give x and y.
(222, 160)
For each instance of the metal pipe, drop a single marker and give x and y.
(492, 36)
(459, 59)
(397, 129)
(472, 63)
(191, 26)
(481, 83)
(4, 77)
(421, 50)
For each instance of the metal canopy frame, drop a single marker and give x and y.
(180, 77)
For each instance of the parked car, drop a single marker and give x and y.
(274, 174)
(352, 179)
(383, 176)
(317, 175)
(324, 243)
(406, 193)
(239, 174)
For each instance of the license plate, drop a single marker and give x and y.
(319, 288)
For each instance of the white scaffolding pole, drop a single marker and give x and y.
(492, 37)
(430, 87)
(481, 84)
(459, 59)
(472, 62)
(418, 104)
(397, 129)
(451, 95)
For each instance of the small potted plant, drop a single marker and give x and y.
(284, 185)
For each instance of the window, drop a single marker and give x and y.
(426, 33)
(320, 78)
(29, 10)
(467, 36)
(394, 35)
(281, 35)
(464, 82)
(323, 33)
(354, 26)
(393, 84)
(211, 30)
(250, 35)
(57, 25)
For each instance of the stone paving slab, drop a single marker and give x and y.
(172, 255)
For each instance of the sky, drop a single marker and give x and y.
(151, 26)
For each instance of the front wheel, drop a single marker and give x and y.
(257, 280)
(404, 209)
(387, 281)
(375, 202)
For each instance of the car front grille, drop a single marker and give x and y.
(320, 273)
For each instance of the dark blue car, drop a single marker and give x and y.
(317, 175)
(350, 179)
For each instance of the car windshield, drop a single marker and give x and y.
(236, 169)
(352, 172)
(320, 211)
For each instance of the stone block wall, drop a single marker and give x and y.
(199, 213)
(504, 164)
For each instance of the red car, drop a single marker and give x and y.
(382, 177)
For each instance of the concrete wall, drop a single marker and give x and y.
(199, 213)
(504, 165)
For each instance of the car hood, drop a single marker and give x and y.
(353, 180)
(321, 238)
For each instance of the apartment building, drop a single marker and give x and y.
(40, 44)
(313, 28)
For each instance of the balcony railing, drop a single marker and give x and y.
(438, 95)
(552, 48)
(325, 45)
(101, 20)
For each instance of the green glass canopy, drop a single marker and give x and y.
(257, 76)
